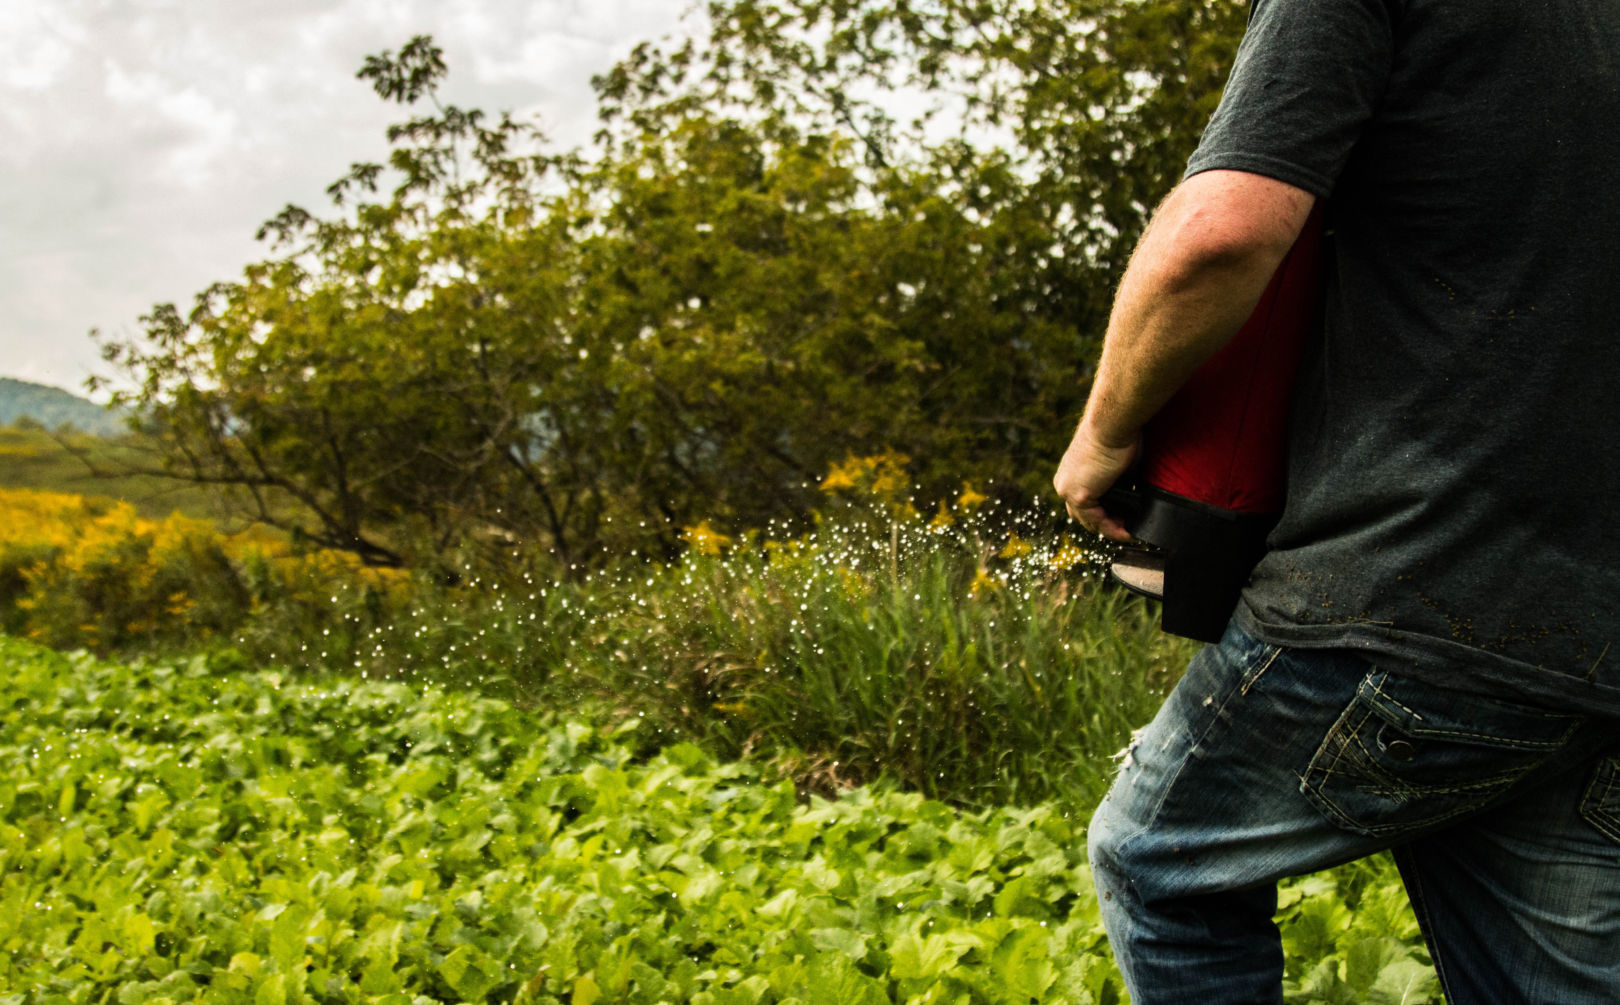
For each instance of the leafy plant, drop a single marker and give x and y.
(172, 833)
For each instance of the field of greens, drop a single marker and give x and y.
(173, 832)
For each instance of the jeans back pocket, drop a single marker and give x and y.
(1601, 804)
(1406, 756)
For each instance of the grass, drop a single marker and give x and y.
(962, 661)
(94, 466)
(858, 656)
(979, 659)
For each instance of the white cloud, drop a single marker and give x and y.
(147, 139)
(192, 130)
(37, 44)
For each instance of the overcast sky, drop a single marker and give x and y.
(142, 142)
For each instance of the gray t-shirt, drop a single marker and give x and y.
(1454, 467)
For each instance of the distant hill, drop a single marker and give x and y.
(53, 408)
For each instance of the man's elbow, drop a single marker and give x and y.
(1230, 222)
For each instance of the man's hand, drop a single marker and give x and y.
(1089, 468)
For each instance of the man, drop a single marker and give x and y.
(1422, 660)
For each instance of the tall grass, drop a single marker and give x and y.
(981, 662)
(977, 657)
(920, 655)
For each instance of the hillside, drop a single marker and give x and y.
(96, 466)
(53, 408)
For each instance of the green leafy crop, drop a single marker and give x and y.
(169, 833)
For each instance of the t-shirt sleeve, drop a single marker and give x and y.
(1308, 76)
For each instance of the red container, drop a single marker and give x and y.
(1209, 484)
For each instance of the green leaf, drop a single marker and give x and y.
(136, 992)
(919, 957)
(746, 992)
(271, 990)
(140, 934)
(1312, 886)
(287, 939)
(840, 940)
(585, 991)
(834, 980)
(471, 973)
(245, 963)
(1405, 981)
(821, 875)
(782, 904)
(1018, 897)
(1023, 965)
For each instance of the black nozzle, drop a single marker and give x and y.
(1207, 554)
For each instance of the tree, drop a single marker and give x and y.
(1093, 105)
(1045, 131)
(760, 272)
(365, 388)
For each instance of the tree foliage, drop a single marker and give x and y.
(763, 267)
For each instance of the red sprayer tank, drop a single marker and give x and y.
(1210, 480)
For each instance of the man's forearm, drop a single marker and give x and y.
(1197, 274)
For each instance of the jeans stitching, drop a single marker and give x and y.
(1379, 692)
(1335, 750)
(1592, 803)
(1316, 775)
(1383, 677)
(1495, 741)
(1250, 679)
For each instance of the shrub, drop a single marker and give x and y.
(77, 571)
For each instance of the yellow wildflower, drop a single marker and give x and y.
(982, 583)
(970, 499)
(843, 476)
(880, 476)
(889, 474)
(1016, 547)
(705, 540)
(1068, 555)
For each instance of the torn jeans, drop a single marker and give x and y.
(1268, 762)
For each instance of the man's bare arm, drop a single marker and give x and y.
(1194, 279)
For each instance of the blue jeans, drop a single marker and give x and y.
(1268, 762)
